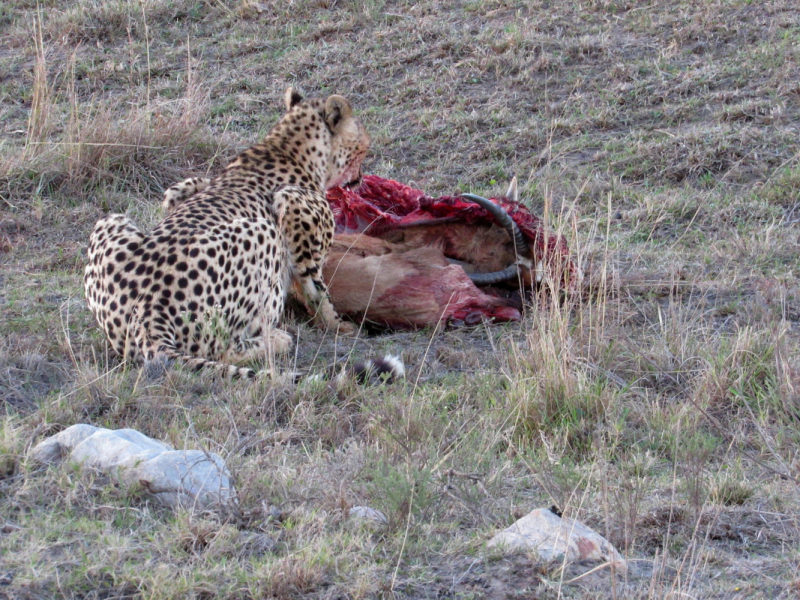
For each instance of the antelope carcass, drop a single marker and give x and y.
(403, 259)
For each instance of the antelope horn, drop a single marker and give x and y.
(513, 191)
(521, 246)
(496, 277)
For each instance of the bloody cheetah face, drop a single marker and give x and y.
(349, 144)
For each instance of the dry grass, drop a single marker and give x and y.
(661, 407)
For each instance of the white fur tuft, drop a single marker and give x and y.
(396, 365)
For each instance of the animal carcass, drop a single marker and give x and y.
(403, 259)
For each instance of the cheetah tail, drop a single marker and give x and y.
(386, 369)
(167, 356)
(373, 371)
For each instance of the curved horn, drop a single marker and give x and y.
(502, 217)
(496, 277)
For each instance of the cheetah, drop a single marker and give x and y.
(207, 286)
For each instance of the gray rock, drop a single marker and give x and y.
(556, 538)
(188, 478)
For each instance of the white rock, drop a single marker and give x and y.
(556, 538)
(189, 478)
(368, 514)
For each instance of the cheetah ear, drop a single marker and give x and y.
(337, 110)
(292, 98)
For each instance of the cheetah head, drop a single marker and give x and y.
(349, 139)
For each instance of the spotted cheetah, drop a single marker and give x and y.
(207, 285)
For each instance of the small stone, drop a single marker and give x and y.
(368, 514)
(556, 538)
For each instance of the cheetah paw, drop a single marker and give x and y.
(279, 341)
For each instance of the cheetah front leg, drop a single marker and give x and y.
(306, 221)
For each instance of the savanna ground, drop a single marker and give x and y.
(660, 407)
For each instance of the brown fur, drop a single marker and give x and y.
(398, 285)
